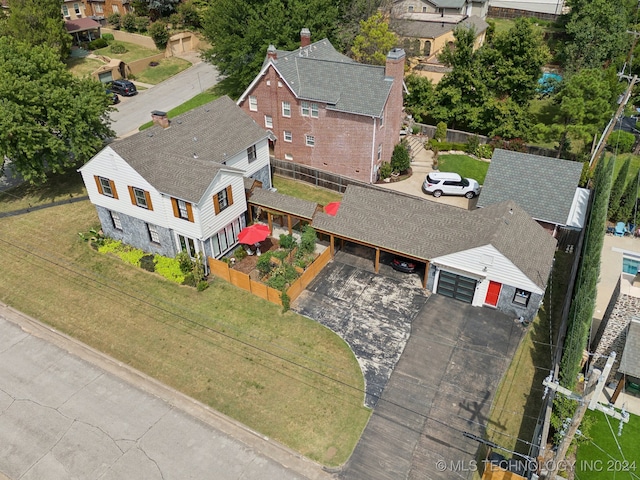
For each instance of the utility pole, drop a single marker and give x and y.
(589, 399)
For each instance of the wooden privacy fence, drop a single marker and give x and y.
(316, 177)
(241, 280)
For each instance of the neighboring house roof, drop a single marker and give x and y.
(426, 230)
(544, 186)
(433, 27)
(183, 159)
(318, 72)
(81, 24)
(283, 203)
(630, 362)
(555, 7)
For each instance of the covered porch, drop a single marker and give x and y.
(83, 30)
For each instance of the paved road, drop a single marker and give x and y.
(67, 411)
(134, 111)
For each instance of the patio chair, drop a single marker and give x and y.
(620, 229)
(610, 230)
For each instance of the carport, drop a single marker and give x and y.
(278, 205)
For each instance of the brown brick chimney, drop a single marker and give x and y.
(160, 118)
(272, 53)
(305, 37)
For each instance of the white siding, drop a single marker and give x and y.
(209, 221)
(241, 160)
(498, 268)
(109, 164)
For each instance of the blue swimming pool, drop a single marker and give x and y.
(549, 82)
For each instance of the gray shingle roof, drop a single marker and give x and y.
(318, 72)
(630, 362)
(432, 28)
(426, 230)
(544, 186)
(213, 133)
(283, 203)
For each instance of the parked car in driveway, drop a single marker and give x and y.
(449, 183)
(403, 265)
(123, 87)
(113, 97)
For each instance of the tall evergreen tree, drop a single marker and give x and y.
(617, 190)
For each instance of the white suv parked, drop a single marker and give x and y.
(448, 183)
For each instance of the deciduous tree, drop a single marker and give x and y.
(37, 22)
(421, 97)
(49, 120)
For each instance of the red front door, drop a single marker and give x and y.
(493, 293)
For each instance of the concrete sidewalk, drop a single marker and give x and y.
(69, 411)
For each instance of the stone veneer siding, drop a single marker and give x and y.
(614, 332)
(263, 175)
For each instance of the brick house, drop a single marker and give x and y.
(104, 8)
(326, 110)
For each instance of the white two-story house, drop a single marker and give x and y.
(180, 185)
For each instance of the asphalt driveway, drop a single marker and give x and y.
(442, 386)
(372, 313)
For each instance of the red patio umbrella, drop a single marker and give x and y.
(332, 208)
(255, 233)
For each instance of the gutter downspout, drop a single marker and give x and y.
(373, 149)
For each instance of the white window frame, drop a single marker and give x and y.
(76, 8)
(115, 9)
(288, 136)
(305, 109)
(315, 111)
(141, 198)
(288, 156)
(188, 245)
(382, 120)
(424, 9)
(115, 220)
(253, 103)
(154, 236)
(379, 152)
(105, 183)
(521, 297)
(268, 121)
(410, 9)
(310, 140)
(98, 8)
(252, 153)
(286, 109)
(223, 200)
(182, 209)
(65, 11)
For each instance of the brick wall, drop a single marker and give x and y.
(345, 144)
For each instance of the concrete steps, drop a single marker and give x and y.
(421, 158)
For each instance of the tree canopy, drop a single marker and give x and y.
(37, 22)
(49, 120)
(374, 41)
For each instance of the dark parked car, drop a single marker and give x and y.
(113, 97)
(123, 87)
(403, 265)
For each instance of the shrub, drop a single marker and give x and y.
(131, 255)
(277, 281)
(484, 151)
(129, 22)
(175, 19)
(239, 253)
(159, 34)
(515, 144)
(98, 43)
(189, 14)
(142, 23)
(308, 239)
(441, 132)
(286, 301)
(108, 37)
(385, 170)
(400, 158)
(115, 20)
(190, 280)
(110, 246)
(118, 48)
(185, 262)
(621, 141)
(287, 242)
(443, 146)
(146, 262)
(202, 285)
(472, 145)
(415, 129)
(264, 263)
(280, 254)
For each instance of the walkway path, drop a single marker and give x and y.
(68, 411)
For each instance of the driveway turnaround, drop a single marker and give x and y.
(442, 386)
(372, 313)
(69, 412)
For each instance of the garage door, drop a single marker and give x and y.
(105, 77)
(456, 286)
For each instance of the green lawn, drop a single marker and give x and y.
(634, 167)
(464, 165)
(134, 52)
(519, 397)
(305, 191)
(168, 68)
(199, 99)
(600, 459)
(283, 375)
(83, 67)
(502, 24)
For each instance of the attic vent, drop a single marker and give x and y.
(206, 109)
(150, 134)
(179, 122)
(195, 139)
(195, 155)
